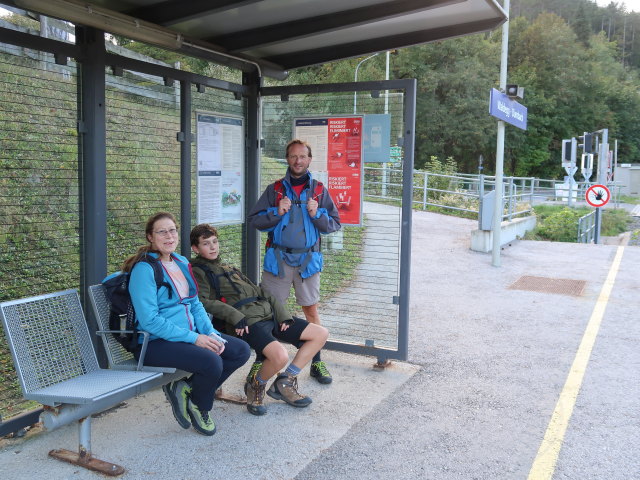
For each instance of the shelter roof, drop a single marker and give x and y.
(278, 35)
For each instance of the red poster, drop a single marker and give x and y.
(344, 165)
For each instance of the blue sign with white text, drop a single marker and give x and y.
(502, 107)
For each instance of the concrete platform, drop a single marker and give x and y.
(487, 366)
(142, 435)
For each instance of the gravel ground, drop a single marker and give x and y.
(634, 228)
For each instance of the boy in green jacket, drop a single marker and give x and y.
(258, 318)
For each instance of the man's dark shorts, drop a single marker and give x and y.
(263, 333)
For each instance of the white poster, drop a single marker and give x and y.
(220, 160)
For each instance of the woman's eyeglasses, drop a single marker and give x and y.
(164, 233)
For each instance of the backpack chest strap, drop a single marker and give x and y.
(247, 300)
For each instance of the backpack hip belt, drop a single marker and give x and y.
(279, 249)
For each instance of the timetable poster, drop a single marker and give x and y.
(220, 169)
(338, 141)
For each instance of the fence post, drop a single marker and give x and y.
(384, 180)
(425, 181)
(510, 209)
(532, 192)
(480, 200)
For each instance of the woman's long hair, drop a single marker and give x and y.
(145, 249)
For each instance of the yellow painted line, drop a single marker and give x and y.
(545, 463)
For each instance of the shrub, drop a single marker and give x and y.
(560, 226)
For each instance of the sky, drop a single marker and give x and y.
(632, 5)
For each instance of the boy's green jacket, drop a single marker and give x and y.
(234, 287)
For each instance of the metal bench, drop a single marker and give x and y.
(117, 356)
(57, 366)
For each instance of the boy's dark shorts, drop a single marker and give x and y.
(262, 333)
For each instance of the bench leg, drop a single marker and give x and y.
(83, 456)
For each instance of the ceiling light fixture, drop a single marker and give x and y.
(84, 13)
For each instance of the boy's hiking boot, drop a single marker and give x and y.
(177, 394)
(201, 421)
(254, 391)
(285, 387)
(320, 373)
(255, 368)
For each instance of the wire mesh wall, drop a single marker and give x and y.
(143, 160)
(39, 203)
(360, 279)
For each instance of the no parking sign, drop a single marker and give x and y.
(597, 195)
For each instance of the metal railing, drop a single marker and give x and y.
(460, 192)
(464, 192)
(587, 227)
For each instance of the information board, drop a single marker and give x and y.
(336, 144)
(220, 168)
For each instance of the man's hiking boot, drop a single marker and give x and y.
(254, 391)
(255, 368)
(320, 373)
(177, 394)
(201, 421)
(285, 387)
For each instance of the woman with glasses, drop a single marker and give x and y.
(181, 333)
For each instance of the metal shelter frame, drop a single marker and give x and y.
(92, 57)
(409, 88)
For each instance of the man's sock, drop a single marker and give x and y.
(316, 358)
(260, 380)
(292, 370)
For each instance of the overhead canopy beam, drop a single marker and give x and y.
(177, 11)
(292, 30)
(355, 49)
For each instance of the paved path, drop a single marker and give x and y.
(364, 312)
(486, 367)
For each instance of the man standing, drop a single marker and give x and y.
(295, 211)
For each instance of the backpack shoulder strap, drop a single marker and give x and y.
(318, 188)
(213, 278)
(278, 186)
(158, 273)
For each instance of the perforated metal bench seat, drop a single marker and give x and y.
(93, 387)
(57, 366)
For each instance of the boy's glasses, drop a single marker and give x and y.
(164, 233)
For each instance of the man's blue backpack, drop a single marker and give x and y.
(122, 315)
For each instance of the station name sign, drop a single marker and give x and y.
(508, 110)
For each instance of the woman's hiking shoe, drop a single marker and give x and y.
(320, 373)
(201, 421)
(285, 387)
(254, 391)
(255, 368)
(177, 394)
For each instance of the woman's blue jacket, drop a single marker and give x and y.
(172, 318)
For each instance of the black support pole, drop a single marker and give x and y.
(252, 261)
(92, 165)
(184, 136)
